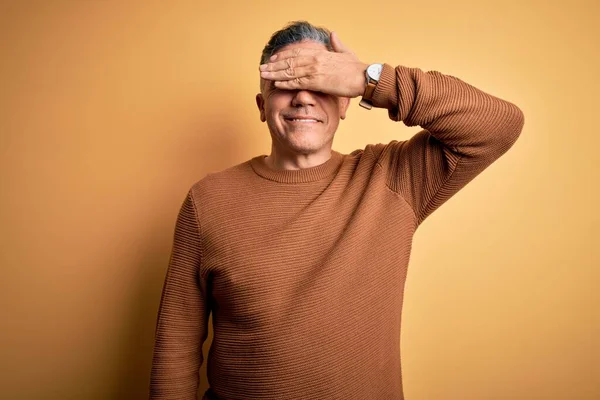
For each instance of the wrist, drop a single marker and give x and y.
(372, 76)
(361, 79)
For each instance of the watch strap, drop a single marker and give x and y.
(366, 101)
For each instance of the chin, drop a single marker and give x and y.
(304, 147)
(302, 142)
(310, 138)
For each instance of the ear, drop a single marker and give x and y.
(344, 103)
(260, 103)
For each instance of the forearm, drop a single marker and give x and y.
(177, 352)
(182, 325)
(465, 119)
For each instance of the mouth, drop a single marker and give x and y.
(301, 119)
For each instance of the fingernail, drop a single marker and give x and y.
(264, 74)
(273, 57)
(263, 67)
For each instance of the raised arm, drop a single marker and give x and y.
(465, 130)
(182, 325)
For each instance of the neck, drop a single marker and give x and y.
(280, 160)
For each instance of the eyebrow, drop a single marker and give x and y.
(267, 84)
(270, 86)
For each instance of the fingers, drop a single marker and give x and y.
(289, 73)
(282, 55)
(288, 63)
(295, 84)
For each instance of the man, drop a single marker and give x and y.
(301, 255)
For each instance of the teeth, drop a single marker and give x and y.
(304, 120)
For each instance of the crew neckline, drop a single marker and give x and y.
(304, 175)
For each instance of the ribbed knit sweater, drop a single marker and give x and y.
(304, 270)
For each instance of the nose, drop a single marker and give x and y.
(303, 98)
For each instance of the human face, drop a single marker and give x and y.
(300, 121)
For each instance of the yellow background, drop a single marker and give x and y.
(111, 110)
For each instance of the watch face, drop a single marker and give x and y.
(374, 71)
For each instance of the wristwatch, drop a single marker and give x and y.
(372, 73)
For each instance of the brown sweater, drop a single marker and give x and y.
(304, 270)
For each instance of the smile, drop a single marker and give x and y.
(301, 120)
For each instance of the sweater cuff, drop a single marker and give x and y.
(386, 94)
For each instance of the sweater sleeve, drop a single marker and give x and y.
(465, 130)
(182, 324)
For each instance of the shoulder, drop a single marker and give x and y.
(231, 174)
(216, 186)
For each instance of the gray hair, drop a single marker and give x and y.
(294, 32)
